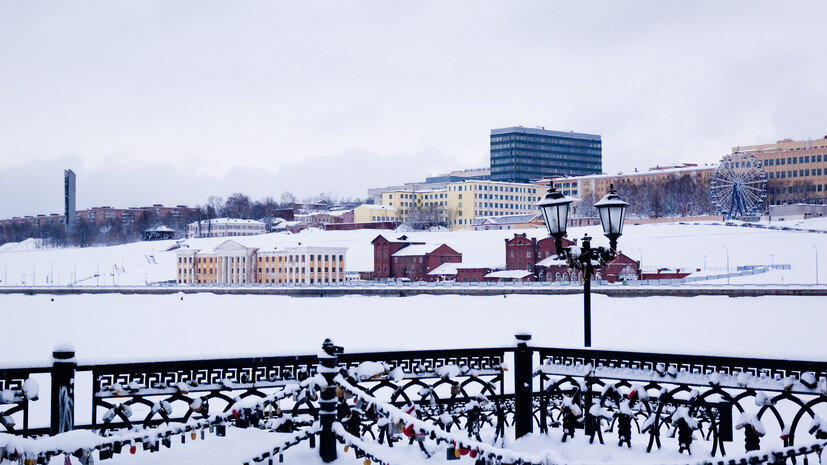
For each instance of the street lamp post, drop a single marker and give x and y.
(640, 263)
(727, 265)
(816, 248)
(612, 209)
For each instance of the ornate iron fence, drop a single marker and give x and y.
(451, 394)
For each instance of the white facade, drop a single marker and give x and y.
(225, 227)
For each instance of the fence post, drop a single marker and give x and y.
(63, 390)
(523, 390)
(328, 367)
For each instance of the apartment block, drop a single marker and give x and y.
(796, 169)
(598, 185)
(461, 202)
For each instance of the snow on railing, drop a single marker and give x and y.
(806, 384)
(493, 454)
(458, 440)
(292, 440)
(81, 443)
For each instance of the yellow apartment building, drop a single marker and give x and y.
(370, 213)
(461, 202)
(598, 184)
(233, 263)
(796, 169)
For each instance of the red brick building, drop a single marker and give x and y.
(539, 258)
(456, 272)
(522, 253)
(622, 268)
(411, 260)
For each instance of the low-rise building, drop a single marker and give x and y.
(458, 272)
(522, 221)
(598, 185)
(372, 213)
(234, 263)
(225, 227)
(523, 253)
(158, 233)
(798, 211)
(411, 260)
(510, 276)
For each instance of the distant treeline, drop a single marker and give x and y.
(117, 230)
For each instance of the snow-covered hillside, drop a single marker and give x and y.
(690, 246)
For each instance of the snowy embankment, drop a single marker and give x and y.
(686, 246)
(138, 328)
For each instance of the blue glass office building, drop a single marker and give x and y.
(521, 154)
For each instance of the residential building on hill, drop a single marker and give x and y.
(432, 182)
(520, 221)
(456, 205)
(234, 263)
(225, 227)
(124, 218)
(796, 169)
(520, 154)
(598, 185)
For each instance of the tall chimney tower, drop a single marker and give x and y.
(70, 213)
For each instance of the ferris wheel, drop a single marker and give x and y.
(739, 186)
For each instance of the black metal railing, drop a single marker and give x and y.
(453, 389)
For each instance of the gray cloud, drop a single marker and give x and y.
(121, 181)
(262, 90)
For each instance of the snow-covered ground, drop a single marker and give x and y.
(159, 327)
(686, 246)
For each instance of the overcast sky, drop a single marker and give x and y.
(169, 102)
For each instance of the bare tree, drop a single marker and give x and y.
(423, 217)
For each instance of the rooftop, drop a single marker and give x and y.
(416, 250)
(649, 172)
(509, 274)
(541, 131)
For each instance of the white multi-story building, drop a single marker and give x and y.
(225, 227)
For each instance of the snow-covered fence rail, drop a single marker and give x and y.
(682, 393)
(176, 390)
(458, 393)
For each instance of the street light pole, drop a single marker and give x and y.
(612, 209)
(727, 265)
(587, 293)
(814, 246)
(640, 264)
